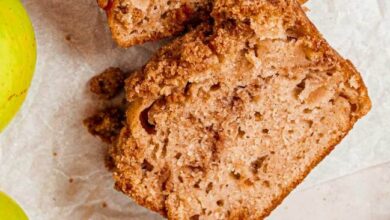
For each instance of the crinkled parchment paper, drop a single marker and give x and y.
(55, 169)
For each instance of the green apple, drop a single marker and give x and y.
(9, 209)
(17, 58)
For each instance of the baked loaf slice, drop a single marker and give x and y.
(226, 120)
(138, 21)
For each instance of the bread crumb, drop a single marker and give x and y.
(106, 124)
(108, 84)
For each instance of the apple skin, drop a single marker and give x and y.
(9, 209)
(17, 58)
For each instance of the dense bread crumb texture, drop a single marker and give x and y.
(138, 21)
(226, 120)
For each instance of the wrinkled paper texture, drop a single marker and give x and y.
(55, 169)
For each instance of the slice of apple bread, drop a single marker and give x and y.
(226, 120)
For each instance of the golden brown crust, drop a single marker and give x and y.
(166, 84)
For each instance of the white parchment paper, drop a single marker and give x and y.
(55, 169)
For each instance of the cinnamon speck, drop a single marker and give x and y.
(71, 180)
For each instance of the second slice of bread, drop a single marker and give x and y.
(138, 21)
